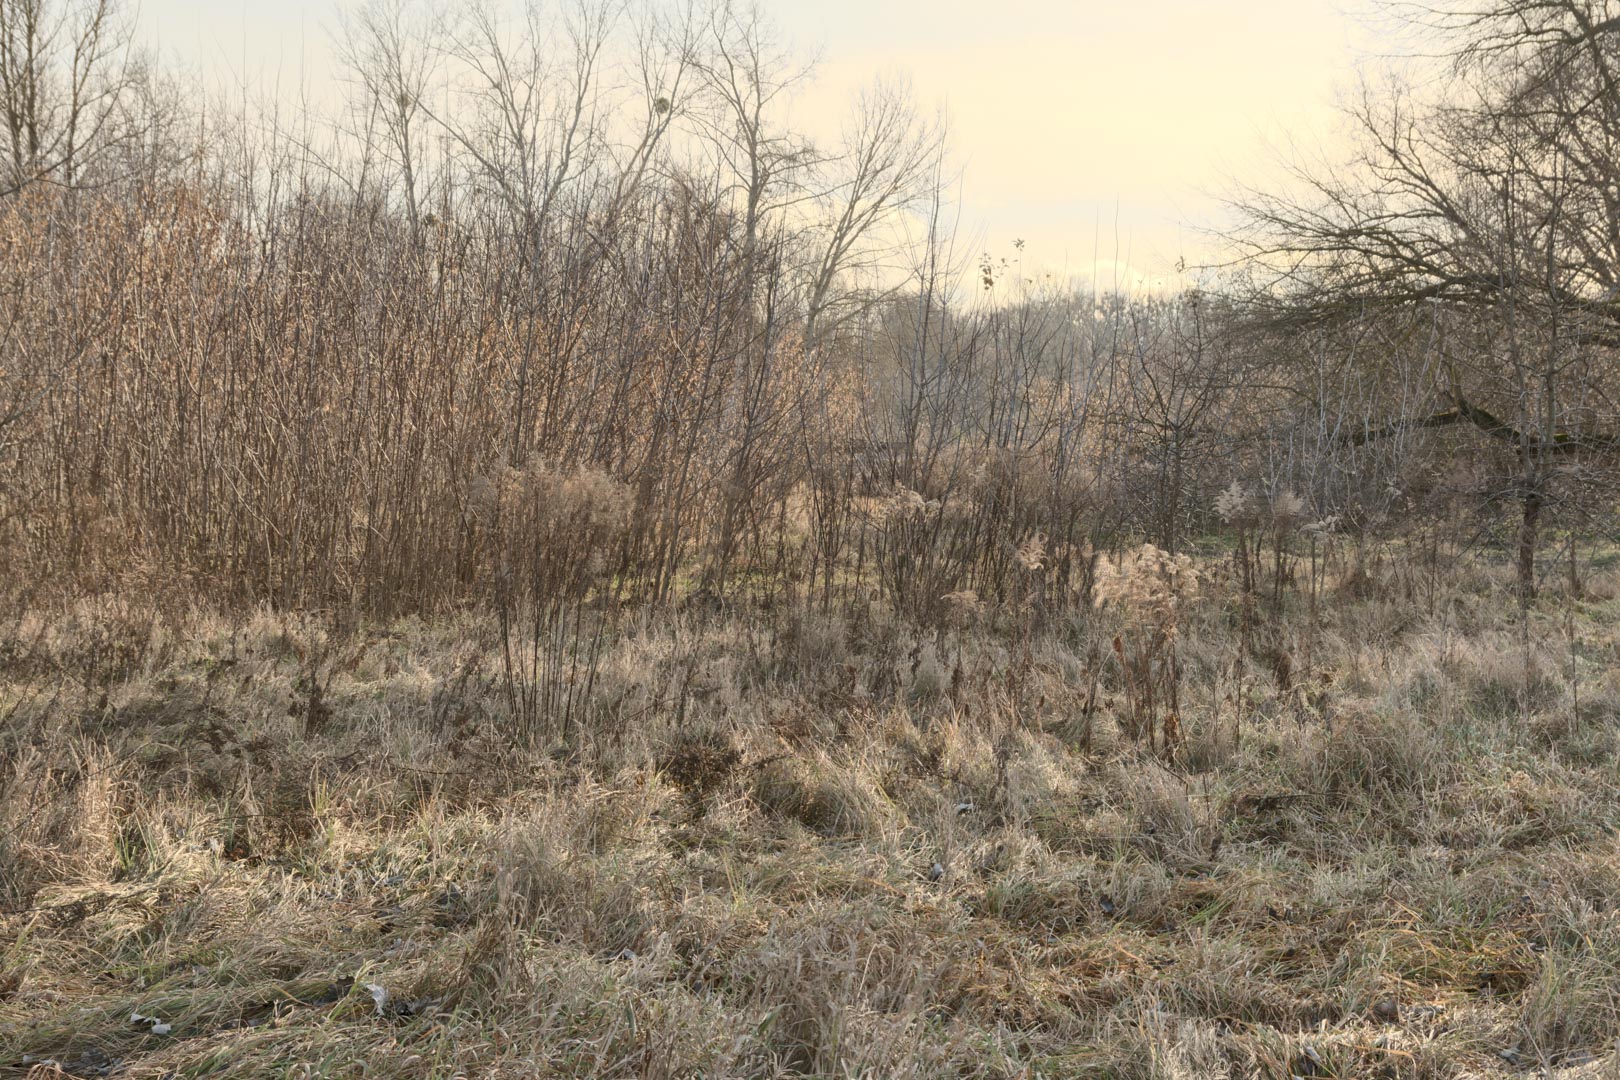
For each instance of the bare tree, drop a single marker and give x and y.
(63, 69)
(1493, 209)
(747, 77)
(887, 166)
(392, 56)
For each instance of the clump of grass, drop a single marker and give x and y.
(700, 763)
(818, 794)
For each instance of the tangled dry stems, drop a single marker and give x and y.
(731, 871)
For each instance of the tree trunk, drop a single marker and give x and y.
(1529, 525)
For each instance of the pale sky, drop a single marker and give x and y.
(1097, 132)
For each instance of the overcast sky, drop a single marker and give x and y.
(1094, 130)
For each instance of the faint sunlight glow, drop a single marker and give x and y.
(1102, 134)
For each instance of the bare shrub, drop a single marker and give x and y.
(1150, 588)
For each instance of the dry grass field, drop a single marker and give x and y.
(1380, 844)
(557, 558)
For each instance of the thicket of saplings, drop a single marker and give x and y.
(551, 571)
